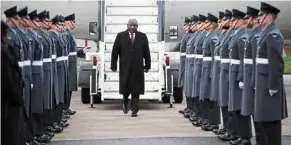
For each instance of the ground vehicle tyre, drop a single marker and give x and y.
(97, 98)
(178, 95)
(85, 95)
(166, 98)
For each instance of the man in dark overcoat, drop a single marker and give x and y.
(132, 48)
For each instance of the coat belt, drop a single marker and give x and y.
(262, 61)
(248, 61)
(224, 60)
(217, 58)
(62, 58)
(234, 61)
(207, 59)
(37, 63)
(182, 54)
(199, 56)
(190, 55)
(24, 63)
(47, 60)
(72, 53)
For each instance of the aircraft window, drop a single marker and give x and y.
(173, 32)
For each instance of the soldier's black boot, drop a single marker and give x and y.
(71, 112)
(219, 131)
(241, 141)
(209, 127)
(43, 138)
(34, 142)
(227, 137)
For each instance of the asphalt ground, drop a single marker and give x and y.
(156, 125)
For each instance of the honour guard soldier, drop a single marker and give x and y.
(11, 75)
(73, 59)
(57, 112)
(37, 98)
(224, 79)
(47, 71)
(189, 69)
(198, 68)
(236, 53)
(270, 96)
(24, 24)
(216, 69)
(212, 112)
(183, 43)
(249, 68)
(194, 20)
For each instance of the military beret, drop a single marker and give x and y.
(187, 20)
(201, 18)
(33, 15)
(211, 18)
(70, 17)
(194, 19)
(47, 14)
(267, 8)
(237, 14)
(11, 12)
(228, 14)
(62, 19)
(42, 15)
(221, 15)
(251, 12)
(23, 13)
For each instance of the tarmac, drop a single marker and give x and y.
(156, 125)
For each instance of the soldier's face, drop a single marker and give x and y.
(185, 27)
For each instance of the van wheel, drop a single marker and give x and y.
(178, 95)
(85, 95)
(166, 98)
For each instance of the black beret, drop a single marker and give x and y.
(23, 13)
(11, 12)
(228, 14)
(251, 12)
(62, 19)
(221, 15)
(187, 20)
(70, 17)
(33, 15)
(267, 8)
(201, 18)
(211, 18)
(42, 15)
(237, 14)
(194, 19)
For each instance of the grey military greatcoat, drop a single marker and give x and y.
(183, 44)
(236, 55)
(269, 76)
(224, 71)
(208, 50)
(73, 62)
(55, 84)
(47, 70)
(189, 64)
(37, 98)
(247, 107)
(216, 69)
(27, 52)
(198, 64)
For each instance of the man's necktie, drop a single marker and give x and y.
(131, 38)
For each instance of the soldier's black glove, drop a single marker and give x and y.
(146, 70)
(114, 70)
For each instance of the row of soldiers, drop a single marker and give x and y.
(233, 65)
(46, 52)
